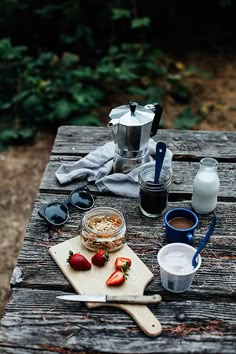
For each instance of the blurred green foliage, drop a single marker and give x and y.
(60, 61)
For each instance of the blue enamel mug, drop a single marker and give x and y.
(180, 224)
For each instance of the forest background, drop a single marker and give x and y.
(71, 62)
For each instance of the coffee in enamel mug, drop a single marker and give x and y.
(180, 225)
(181, 222)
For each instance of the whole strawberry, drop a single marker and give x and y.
(100, 258)
(78, 262)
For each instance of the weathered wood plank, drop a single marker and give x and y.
(12, 349)
(182, 179)
(216, 277)
(184, 144)
(226, 223)
(35, 323)
(45, 323)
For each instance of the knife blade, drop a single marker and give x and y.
(125, 299)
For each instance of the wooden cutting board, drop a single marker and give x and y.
(94, 281)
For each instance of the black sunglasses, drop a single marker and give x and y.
(57, 213)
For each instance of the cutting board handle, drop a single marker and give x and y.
(144, 318)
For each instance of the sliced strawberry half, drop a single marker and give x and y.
(116, 278)
(123, 263)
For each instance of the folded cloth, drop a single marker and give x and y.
(97, 167)
(92, 167)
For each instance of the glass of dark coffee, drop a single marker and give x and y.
(153, 197)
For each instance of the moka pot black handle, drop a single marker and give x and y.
(155, 124)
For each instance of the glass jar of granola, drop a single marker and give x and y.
(103, 228)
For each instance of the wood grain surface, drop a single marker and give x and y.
(201, 320)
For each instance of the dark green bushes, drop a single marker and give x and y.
(60, 61)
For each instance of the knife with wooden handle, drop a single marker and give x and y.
(123, 299)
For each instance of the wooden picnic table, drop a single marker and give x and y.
(201, 320)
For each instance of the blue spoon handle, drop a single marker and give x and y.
(204, 240)
(160, 155)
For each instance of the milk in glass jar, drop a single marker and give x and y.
(206, 187)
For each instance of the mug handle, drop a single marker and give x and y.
(190, 238)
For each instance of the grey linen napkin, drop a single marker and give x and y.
(97, 167)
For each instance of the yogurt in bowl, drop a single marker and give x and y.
(176, 270)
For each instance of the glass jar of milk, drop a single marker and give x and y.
(206, 187)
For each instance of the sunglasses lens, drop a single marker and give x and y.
(56, 213)
(81, 199)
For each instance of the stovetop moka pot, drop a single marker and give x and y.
(132, 125)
